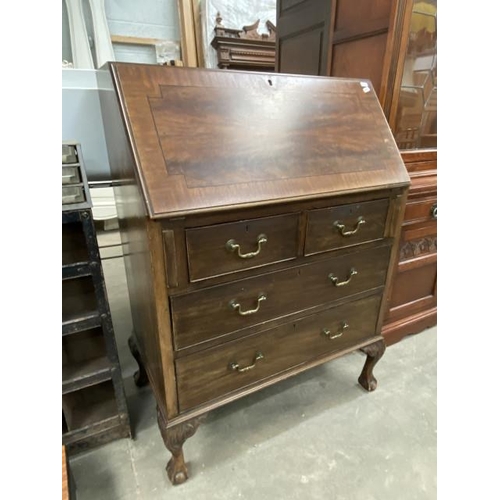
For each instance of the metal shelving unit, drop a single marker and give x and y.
(93, 400)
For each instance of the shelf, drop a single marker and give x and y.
(84, 360)
(74, 245)
(77, 323)
(79, 305)
(100, 425)
(98, 434)
(89, 406)
(87, 373)
(94, 409)
(94, 414)
(76, 270)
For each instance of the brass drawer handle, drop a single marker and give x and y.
(336, 281)
(231, 245)
(236, 366)
(237, 306)
(434, 211)
(339, 333)
(343, 232)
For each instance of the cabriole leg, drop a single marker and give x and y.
(140, 376)
(174, 438)
(373, 353)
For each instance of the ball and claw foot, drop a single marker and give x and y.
(140, 376)
(177, 470)
(369, 385)
(174, 438)
(373, 354)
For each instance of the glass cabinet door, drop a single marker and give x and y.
(416, 117)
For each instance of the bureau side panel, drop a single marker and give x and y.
(131, 212)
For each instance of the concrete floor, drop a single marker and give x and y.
(318, 435)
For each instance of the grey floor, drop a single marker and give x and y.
(315, 436)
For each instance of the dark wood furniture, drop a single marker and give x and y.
(393, 44)
(258, 245)
(94, 409)
(413, 302)
(345, 38)
(245, 48)
(410, 104)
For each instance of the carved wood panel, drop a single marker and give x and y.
(245, 48)
(414, 248)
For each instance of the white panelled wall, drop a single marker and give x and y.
(81, 113)
(159, 19)
(138, 18)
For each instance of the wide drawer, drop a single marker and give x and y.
(236, 246)
(220, 370)
(345, 225)
(220, 310)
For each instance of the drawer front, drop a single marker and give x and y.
(237, 246)
(223, 309)
(421, 210)
(73, 194)
(71, 174)
(69, 153)
(220, 370)
(345, 225)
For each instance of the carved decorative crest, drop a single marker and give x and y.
(245, 48)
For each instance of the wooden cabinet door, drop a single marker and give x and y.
(359, 39)
(302, 45)
(346, 38)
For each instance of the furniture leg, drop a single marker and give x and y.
(140, 376)
(174, 438)
(373, 353)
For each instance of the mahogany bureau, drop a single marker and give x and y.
(260, 217)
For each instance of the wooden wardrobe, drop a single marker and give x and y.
(392, 43)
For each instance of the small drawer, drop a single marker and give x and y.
(224, 309)
(73, 194)
(71, 174)
(220, 370)
(69, 154)
(226, 248)
(421, 210)
(345, 225)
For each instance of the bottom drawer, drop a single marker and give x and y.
(215, 372)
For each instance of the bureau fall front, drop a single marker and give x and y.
(260, 216)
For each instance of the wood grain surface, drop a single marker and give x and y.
(413, 300)
(225, 156)
(207, 375)
(213, 139)
(65, 482)
(208, 254)
(206, 314)
(322, 233)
